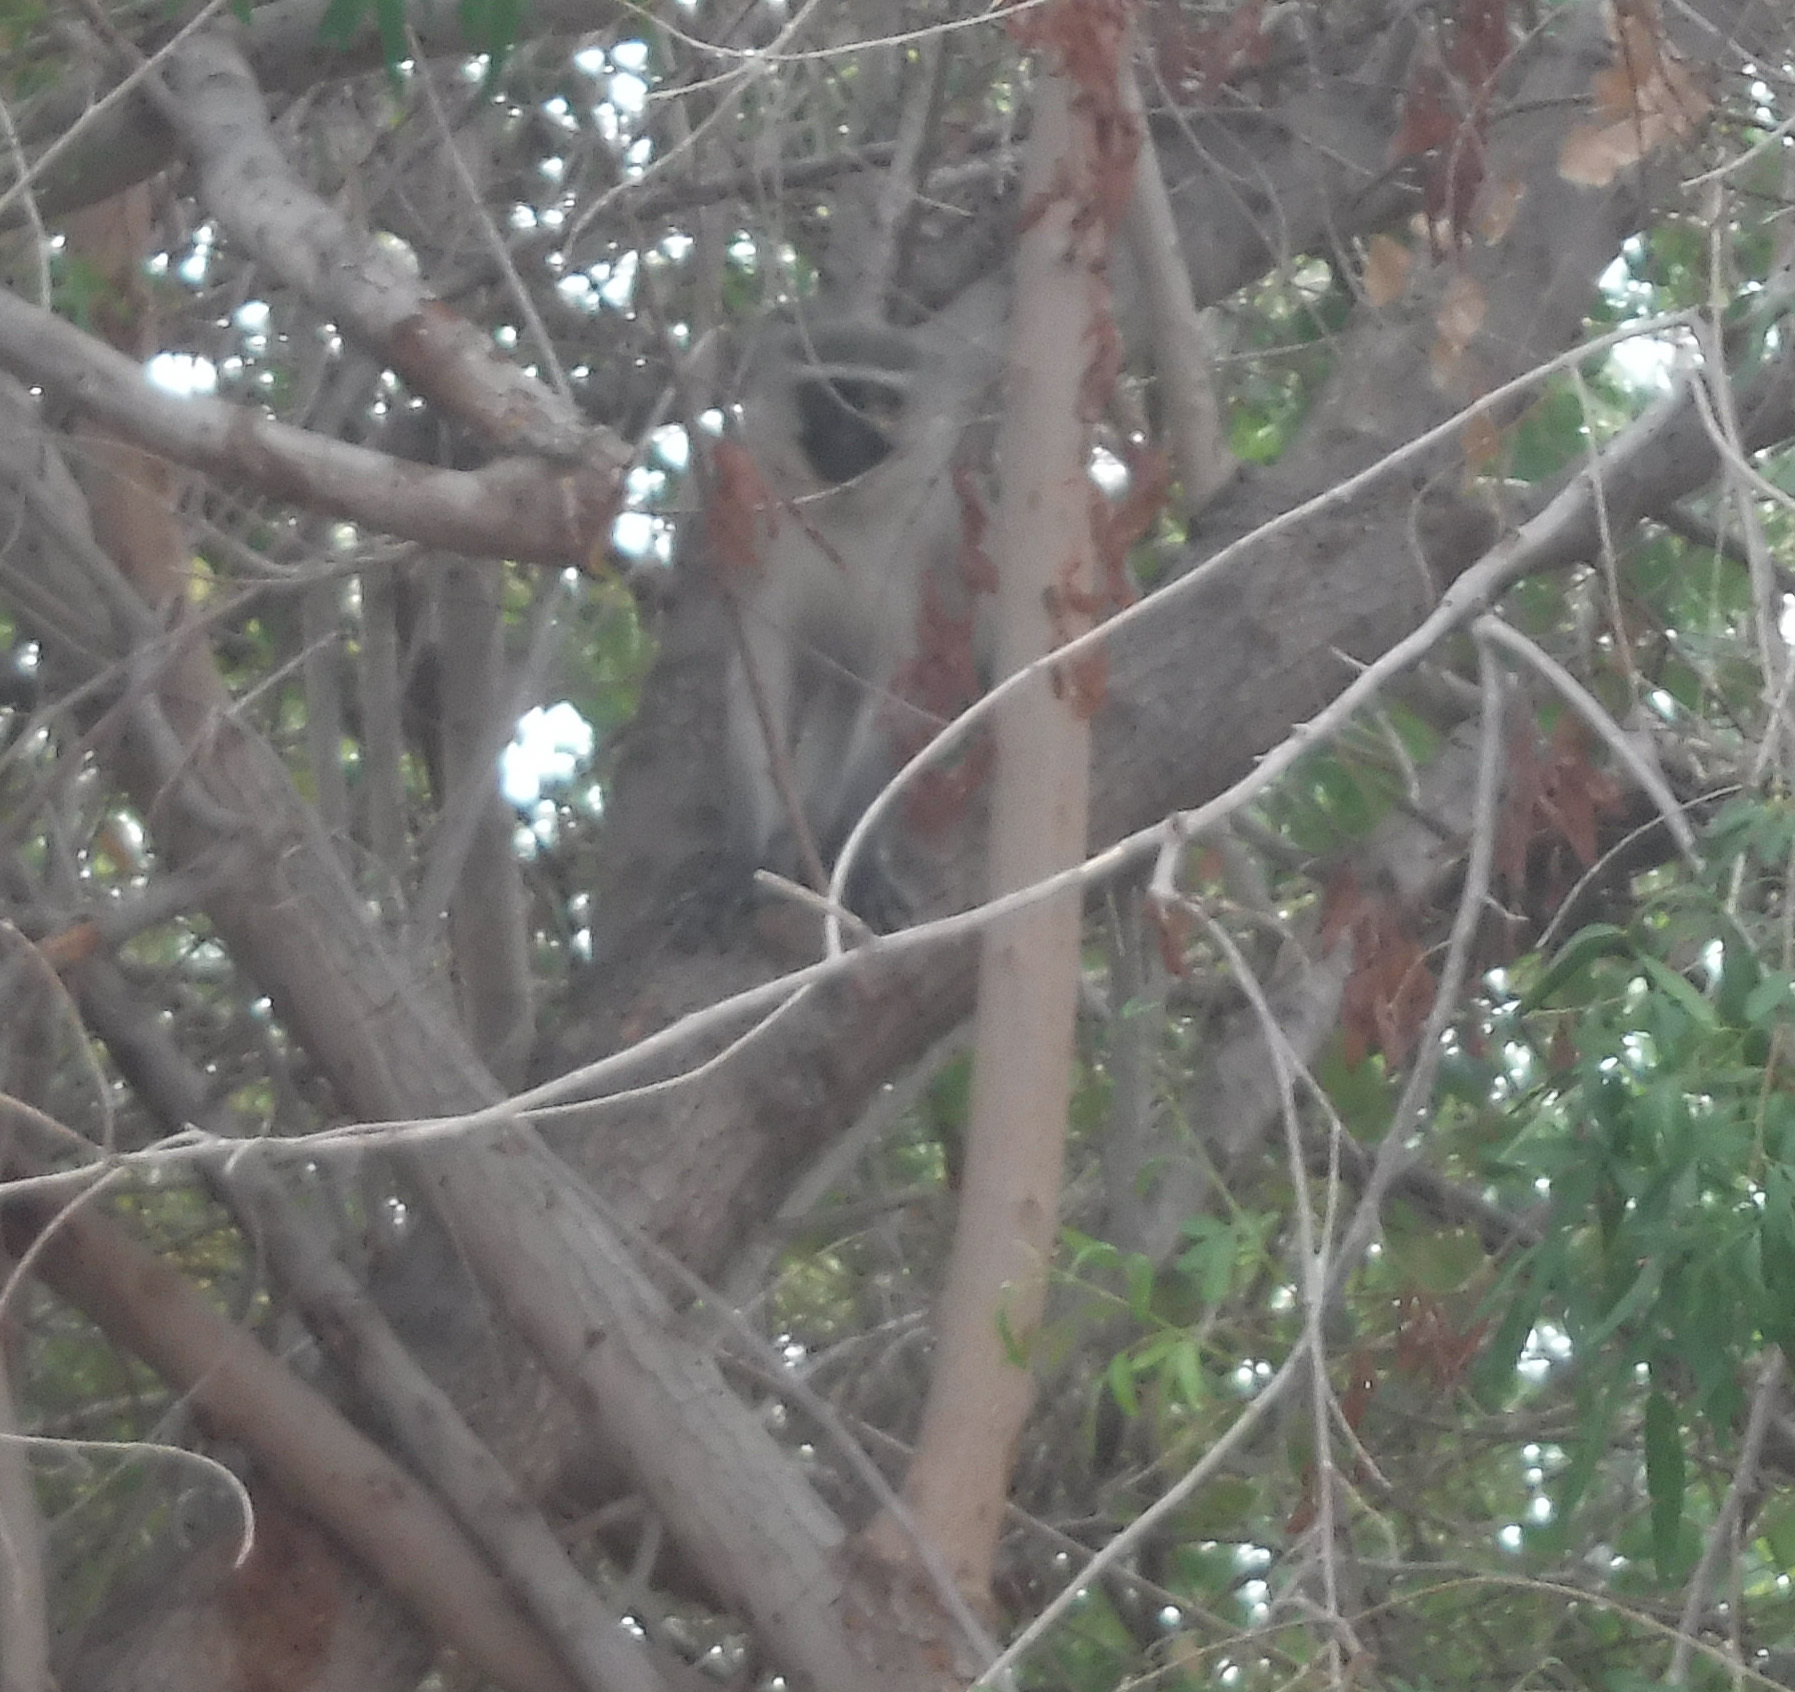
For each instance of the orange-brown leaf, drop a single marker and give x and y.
(734, 521)
(1387, 266)
(1173, 924)
(71, 945)
(1646, 98)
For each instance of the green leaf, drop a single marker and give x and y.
(1776, 1312)
(1492, 1375)
(1591, 1447)
(1140, 1287)
(492, 26)
(1439, 1261)
(1740, 976)
(1209, 1260)
(1120, 1377)
(1599, 940)
(1014, 1349)
(1221, 1510)
(1664, 1112)
(1086, 1253)
(1635, 1299)
(1750, 827)
(1776, 1527)
(1664, 1481)
(390, 15)
(1362, 1094)
(1151, 1353)
(1775, 993)
(1185, 1366)
(341, 20)
(1674, 987)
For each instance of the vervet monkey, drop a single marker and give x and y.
(854, 430)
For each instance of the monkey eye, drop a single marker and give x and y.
(844, 424)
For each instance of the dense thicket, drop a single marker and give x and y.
(1428, 1242)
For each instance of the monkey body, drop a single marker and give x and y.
(854, 430)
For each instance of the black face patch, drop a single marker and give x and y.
(843, 423)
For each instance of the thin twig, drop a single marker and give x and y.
(1745, 1474)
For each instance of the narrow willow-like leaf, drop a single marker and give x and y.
(1664, 1474)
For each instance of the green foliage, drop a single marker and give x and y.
(80, 290)
(1291, 325)
(1347, 789)
(19, 19)
(1584, 1389)
(1547, 430)
(342, 22)
(1169, 1362)
(107, 1510)
(1667, 1145)
(31, 57)
(492, 26)
(1658, 1109)
(616, 649)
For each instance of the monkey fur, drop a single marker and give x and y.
(854, 429)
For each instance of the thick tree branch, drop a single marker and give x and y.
(520, 508)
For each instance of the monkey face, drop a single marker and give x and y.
(827, 402)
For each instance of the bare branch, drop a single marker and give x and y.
(1182, 352)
